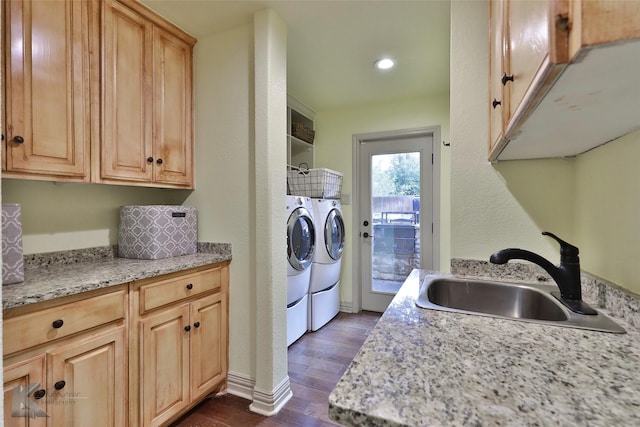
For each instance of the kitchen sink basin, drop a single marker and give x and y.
(514, 301)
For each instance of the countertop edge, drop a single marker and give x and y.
(67, 273)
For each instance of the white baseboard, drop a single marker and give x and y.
(346, 307)
(266, 403)
(269, 403)
(240, 385)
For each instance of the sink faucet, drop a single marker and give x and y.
(566, 275)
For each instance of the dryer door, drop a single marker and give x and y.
(301, 239)
(334, 234)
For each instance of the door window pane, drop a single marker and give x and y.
(395, 207)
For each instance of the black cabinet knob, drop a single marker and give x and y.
(187, 328)
(506, 79)
(366, 223)
(365, 235)
(190, 286)
(495, 103)
(39, 394)
(196, 325)
(159, 161)
(57, 324)
(60, 385)
(149, 159)
(18, 139)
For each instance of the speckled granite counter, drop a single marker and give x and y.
(55, 275)
(424, 367)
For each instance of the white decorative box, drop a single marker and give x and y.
(157, 231)
(12, 258)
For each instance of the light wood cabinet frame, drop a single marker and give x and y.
(97, 91)
(560, 92)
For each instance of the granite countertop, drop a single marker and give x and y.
(59, 274)
(422, 367)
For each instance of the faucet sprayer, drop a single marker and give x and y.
(566, 275)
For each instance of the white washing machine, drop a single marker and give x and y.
(324, 290)
(301, 238)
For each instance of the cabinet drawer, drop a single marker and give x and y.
(39, 327)
(168, 291)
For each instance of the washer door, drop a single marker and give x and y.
(334, 234)
(301, 239)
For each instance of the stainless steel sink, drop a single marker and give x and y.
(514, 301)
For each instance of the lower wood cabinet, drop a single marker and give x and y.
(69, 381)
(149, 351)
(29, 374)
(183, 356)
(179, 344)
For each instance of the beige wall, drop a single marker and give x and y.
(63, 216)
(333, 149)
(607, 211)
(224, 182)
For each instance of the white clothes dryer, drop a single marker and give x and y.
(301, 238)
(324, 290)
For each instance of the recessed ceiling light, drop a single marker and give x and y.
(384, 63)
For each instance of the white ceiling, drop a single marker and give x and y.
(332, 44)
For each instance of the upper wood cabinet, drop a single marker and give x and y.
(563, 76)
(47, 87)
(499, 103)
(148, 99)
(97, 91)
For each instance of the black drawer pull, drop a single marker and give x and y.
(39, 394)
(196, 325)
(60, 385)
(187, 328)
(190, 286)
(57, 324)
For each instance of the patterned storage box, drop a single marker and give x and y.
(157, 231)
(12, 259)
(317, 183)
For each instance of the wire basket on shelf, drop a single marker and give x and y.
(317, 183)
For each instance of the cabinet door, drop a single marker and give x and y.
(164, 365)
(498, 103)
(126, 150)
(209, 341)
(528, 46)
(24, 383)
(88, 381)
(172, 103)
(47, 88)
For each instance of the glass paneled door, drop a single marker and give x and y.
(395, 208)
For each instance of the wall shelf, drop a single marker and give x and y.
(299, 152)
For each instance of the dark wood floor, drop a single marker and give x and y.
(316, 363)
